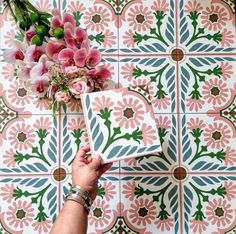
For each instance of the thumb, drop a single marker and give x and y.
(96, 162)
(104, 168)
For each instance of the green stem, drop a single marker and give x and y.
(199, 205)
(111, 140)
(196, 156)
(78, 142)
(201, 192)
(161, 192)
(11, 10)
(160, 37)
(42, 155)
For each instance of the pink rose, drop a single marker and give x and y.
(62, 96)
(78, 86)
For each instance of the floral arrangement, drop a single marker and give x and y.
(54, 57)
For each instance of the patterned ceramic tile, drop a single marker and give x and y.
(100, 20)
(29, 144)
(147, 27)
(162, 162)
(207, 83)
(28, 204)
(208, 143)
(185, 49)
(104, 215)
(206, 27)
(16, 96)
(73, 137)
(159, 72)
(121, 123)
(150, 203)
(209, 203)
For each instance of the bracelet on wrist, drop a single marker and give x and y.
(79, 195)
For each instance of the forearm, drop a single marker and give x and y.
(71, 220)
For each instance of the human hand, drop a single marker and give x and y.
(87, 170)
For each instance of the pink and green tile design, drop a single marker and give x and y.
(186, 51)
(120, 123)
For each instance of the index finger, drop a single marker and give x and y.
(81, 154)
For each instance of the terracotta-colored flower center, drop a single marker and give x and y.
(96, 18)
(177, 54)
(216, 135)
(128, 113)
(59, 174)
(97, 212)
(21, 136)
(142, 212)
(213, 18)
(140, 18)
(20, 214)
(215, 91)
(219, 212)
(180, 173)
(21, 92)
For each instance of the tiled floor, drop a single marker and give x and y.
(187, 51)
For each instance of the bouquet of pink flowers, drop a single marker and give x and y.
(54, 58)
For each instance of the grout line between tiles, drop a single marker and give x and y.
(135, 173)
(178, 116)
(181, 207)
(118, 57)
(168, 55)
(156, 113)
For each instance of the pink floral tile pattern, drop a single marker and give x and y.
(121, 123)
(152, 201)
(27, 204)
(28, 143)
(186, 51)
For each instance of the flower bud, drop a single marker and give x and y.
(37, 40)
(34, 17)
(41, 30)
(24, 25)
(58, 33)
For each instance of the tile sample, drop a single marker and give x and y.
(128, 118)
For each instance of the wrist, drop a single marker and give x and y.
(81, 196)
